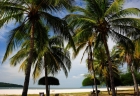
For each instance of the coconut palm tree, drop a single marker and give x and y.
(48, 55)
(106, 20)
(28, 14)
(101, 65)
(135, 37)
(88, 43)
(127, 54)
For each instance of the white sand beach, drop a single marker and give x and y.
(54, 91)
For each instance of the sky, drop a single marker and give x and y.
(74, 80)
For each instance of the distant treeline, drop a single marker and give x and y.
(2, 84)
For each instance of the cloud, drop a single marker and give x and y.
(5, 29)
(110, 43)
(10, 74)
(82, 74)
(80, 3)
(132, 3)
(78, 76)
(75, 77)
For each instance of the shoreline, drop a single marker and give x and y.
(55, 91)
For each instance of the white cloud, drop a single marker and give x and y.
(78, 76)
(82, 74)
(10, 74)
(5, 29)
(110, 44)
(132, 3)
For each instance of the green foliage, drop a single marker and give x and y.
(58, 58)
(117, 81)
(90, 81)
(87, 82)
(128, 80)
(2, 84)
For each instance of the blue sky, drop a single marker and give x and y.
(12, 75)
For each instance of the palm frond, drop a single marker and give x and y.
(115, 7)
(80, 46)
(19, 56)
(126, 12)
(16, 38)
(23, 66)
(126, 21)
(81, 10)
(38, 69)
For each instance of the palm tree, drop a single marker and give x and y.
(101, 65)
(88, 43)
(49, 56)
(57, 56)
(106, 20)
(136, 58)
(28, 14)
(127, 54)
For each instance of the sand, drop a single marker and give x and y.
(54, 91)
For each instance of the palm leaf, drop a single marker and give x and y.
(115, 7)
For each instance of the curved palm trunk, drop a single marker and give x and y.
(91, 61)
(134, 80)
(110, 67)
(108, 90)
(95, 81)
(107, 87)
(28, 68)
(46, 77)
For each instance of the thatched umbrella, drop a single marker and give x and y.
(51, 81)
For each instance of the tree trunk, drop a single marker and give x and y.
(28, 68)
(49, 89)
(93, 87)
(134, 80)
(95, 82)
(110, 67)
(107, 88)
(91, 61)
(116, 90)
(46, 76)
